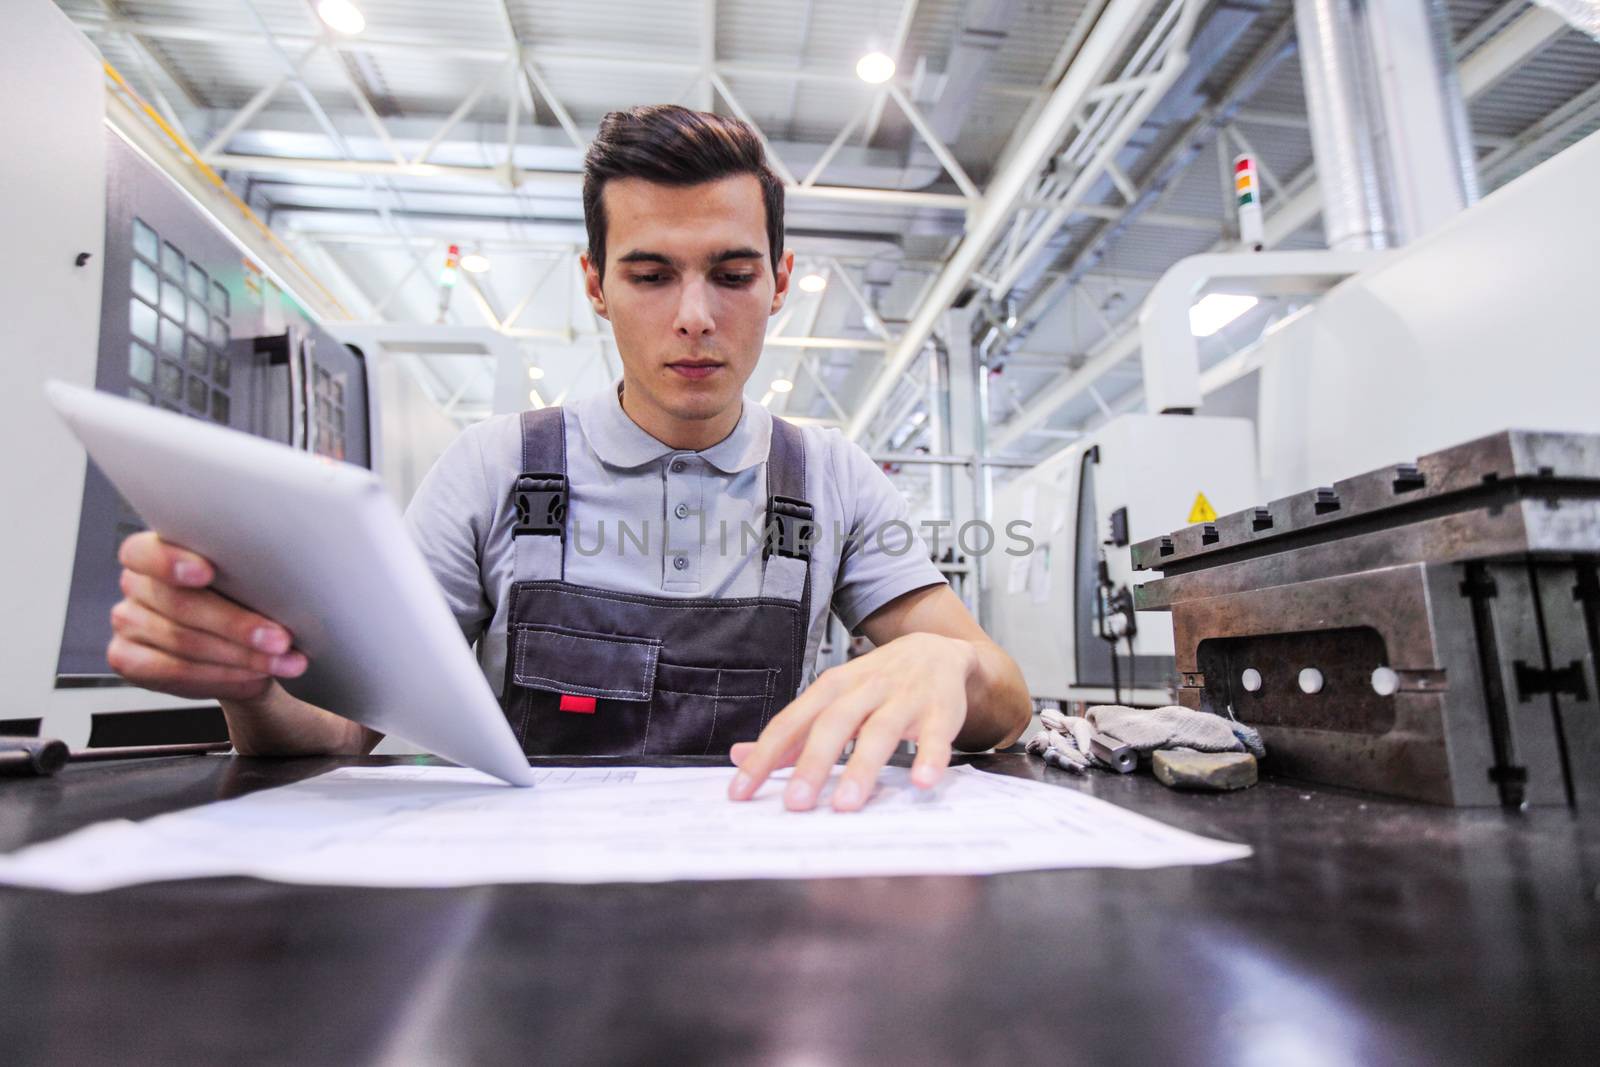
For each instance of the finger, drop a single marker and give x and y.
(781, 740)
(152, 668)
(933, 757)
(138, 623)
(826, 739)
(146, 553)
(742, 749)
(875, 743)
(202, 609)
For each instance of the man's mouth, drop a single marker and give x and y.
(695, 368)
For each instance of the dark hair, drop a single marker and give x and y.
(672, 145)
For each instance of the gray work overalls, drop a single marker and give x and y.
(604, 673)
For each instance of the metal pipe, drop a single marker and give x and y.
(1142, 82)
(1131, 120)
(201, 748)
(1339, 83)
(249, 164)
(1100, 50)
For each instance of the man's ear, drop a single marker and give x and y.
(780, 289)
(591, 286)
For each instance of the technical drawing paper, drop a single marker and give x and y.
(446, 826)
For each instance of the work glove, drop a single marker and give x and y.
(1065, 740)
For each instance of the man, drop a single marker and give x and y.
(683, 634)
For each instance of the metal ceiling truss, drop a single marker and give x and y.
(1116, 105)
(1512, 41)
(1112, 71)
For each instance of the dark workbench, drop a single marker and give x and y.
(1362, 931)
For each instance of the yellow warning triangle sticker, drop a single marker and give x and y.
(1202, 510)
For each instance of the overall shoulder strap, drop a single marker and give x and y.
(791, 525)
(539, 497)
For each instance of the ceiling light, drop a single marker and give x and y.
(475, 262)
(535, 373)
(342, 16)
(813, 283)
(1215, 311)
(781, 385)
(874, 68)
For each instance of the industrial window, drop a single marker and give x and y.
(196, 355)
(328, 439)
(141, 363)
(169, 381)
(172, 300)
(197, 317)
(146, 286)
(192, 374)
(145, 241)
(197, 283)
(171, 337)
(172, 262)
(142, 321)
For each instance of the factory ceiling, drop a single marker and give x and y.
(370, 153)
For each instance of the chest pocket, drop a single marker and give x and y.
(581, 693)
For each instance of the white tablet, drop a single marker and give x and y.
(318, 546)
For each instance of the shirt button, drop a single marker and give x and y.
(680, 563)
(678, 466)
(682, 511)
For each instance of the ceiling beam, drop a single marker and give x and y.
(1119, 21)
(545, 56)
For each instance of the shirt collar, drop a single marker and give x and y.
(621, 442)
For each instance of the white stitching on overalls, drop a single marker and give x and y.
(716, 694)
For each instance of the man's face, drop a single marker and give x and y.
(688, 289)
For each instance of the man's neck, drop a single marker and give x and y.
(688, 435)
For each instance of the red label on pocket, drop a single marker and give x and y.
(583, 705)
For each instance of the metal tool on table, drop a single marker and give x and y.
(1428, 630)
(31, 757)
(1115, 754)
(40, 757)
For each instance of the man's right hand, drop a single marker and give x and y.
(174, 634)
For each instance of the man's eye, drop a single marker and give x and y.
(647, 279)
(738, 279)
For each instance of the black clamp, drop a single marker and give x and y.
(541, 503)
(791, 529)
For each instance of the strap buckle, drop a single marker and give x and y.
(541, 503)
(791, 529)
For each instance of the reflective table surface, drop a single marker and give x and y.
(1361, 931)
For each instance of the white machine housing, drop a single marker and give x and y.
(1151, 467)
(1483, 325)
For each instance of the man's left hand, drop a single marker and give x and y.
(912, 689)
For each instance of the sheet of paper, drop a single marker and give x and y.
(443, 826)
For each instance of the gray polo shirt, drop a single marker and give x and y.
(646, 518)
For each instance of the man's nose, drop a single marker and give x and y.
(694, 310)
